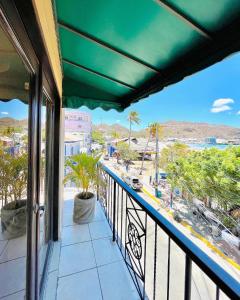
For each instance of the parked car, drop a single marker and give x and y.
(215, 225)
(163, 175)
(133, 182)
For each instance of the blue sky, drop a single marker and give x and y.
(195, 99)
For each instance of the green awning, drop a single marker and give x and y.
(115, 52)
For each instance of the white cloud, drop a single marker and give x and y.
(4, 112)
(222, 102)
(238, 113)
(220, 108)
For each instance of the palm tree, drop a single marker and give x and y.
(157, 132)
(133, 117)
(152, 129)
(149, 132)
(115, 135)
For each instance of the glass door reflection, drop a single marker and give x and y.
(14, 159)
(45, 184)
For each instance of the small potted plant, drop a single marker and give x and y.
(14, 171)
(82, 170)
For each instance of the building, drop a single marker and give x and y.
(211, 140)
(100, 54)
(78, 128)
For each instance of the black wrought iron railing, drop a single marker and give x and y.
(162, 261)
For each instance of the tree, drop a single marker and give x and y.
(13, 177)
(97, 137)
(171, 153)
(157, 132)
(208, 174)
(133, 117)
(151, 132)
(115, 135)
(126, 154)
(83, 172)
(19, 172)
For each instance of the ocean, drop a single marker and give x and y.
(207, 146)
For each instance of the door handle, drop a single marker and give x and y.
(39, 209)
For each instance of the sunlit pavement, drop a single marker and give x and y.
(235, 272)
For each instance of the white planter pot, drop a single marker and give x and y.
(84, 209)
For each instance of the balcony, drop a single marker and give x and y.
(86, 263)
(130, 251)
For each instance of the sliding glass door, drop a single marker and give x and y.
(45, 196)
(15, 109)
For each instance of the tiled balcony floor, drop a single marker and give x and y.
(86, 264)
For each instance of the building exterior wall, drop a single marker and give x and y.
(78, 128)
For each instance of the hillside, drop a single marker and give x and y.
(10, 122)
(180, 130)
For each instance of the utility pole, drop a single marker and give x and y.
(156, 163)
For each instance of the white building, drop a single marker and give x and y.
(78, 128)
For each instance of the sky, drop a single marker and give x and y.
(212, 96)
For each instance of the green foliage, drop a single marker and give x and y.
(156, 128)
(126, 153)
(83, 172)
(19, 173)
(228, 222)
(133, 117)
(115, 135)
(171, 153)
(13, 176)
(97, 137)
(211, 173)
(9, 131)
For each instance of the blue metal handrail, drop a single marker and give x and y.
(216, 273)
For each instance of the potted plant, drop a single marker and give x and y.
(83, 172)
(14, 172)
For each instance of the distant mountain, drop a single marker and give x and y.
(179, 130)
(108, 129)
(11, 122)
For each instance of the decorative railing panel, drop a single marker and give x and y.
(162, 261)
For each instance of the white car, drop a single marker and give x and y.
(133, 182)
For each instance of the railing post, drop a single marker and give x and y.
(98, 174)
(188, 278)
(114, 211)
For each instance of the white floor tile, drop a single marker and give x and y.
(55, 257)
(17, 296)
(51, 286)
(75, 234)
(116, 282)
(2, 238)
(106, 251)
(76, 258)
(15, 248)
(68, 206)
(83, 285)
(99, 230)
(2, 246)
(12, 276)
(99, 214)
(68, 219)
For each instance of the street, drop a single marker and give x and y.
(195, 231)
